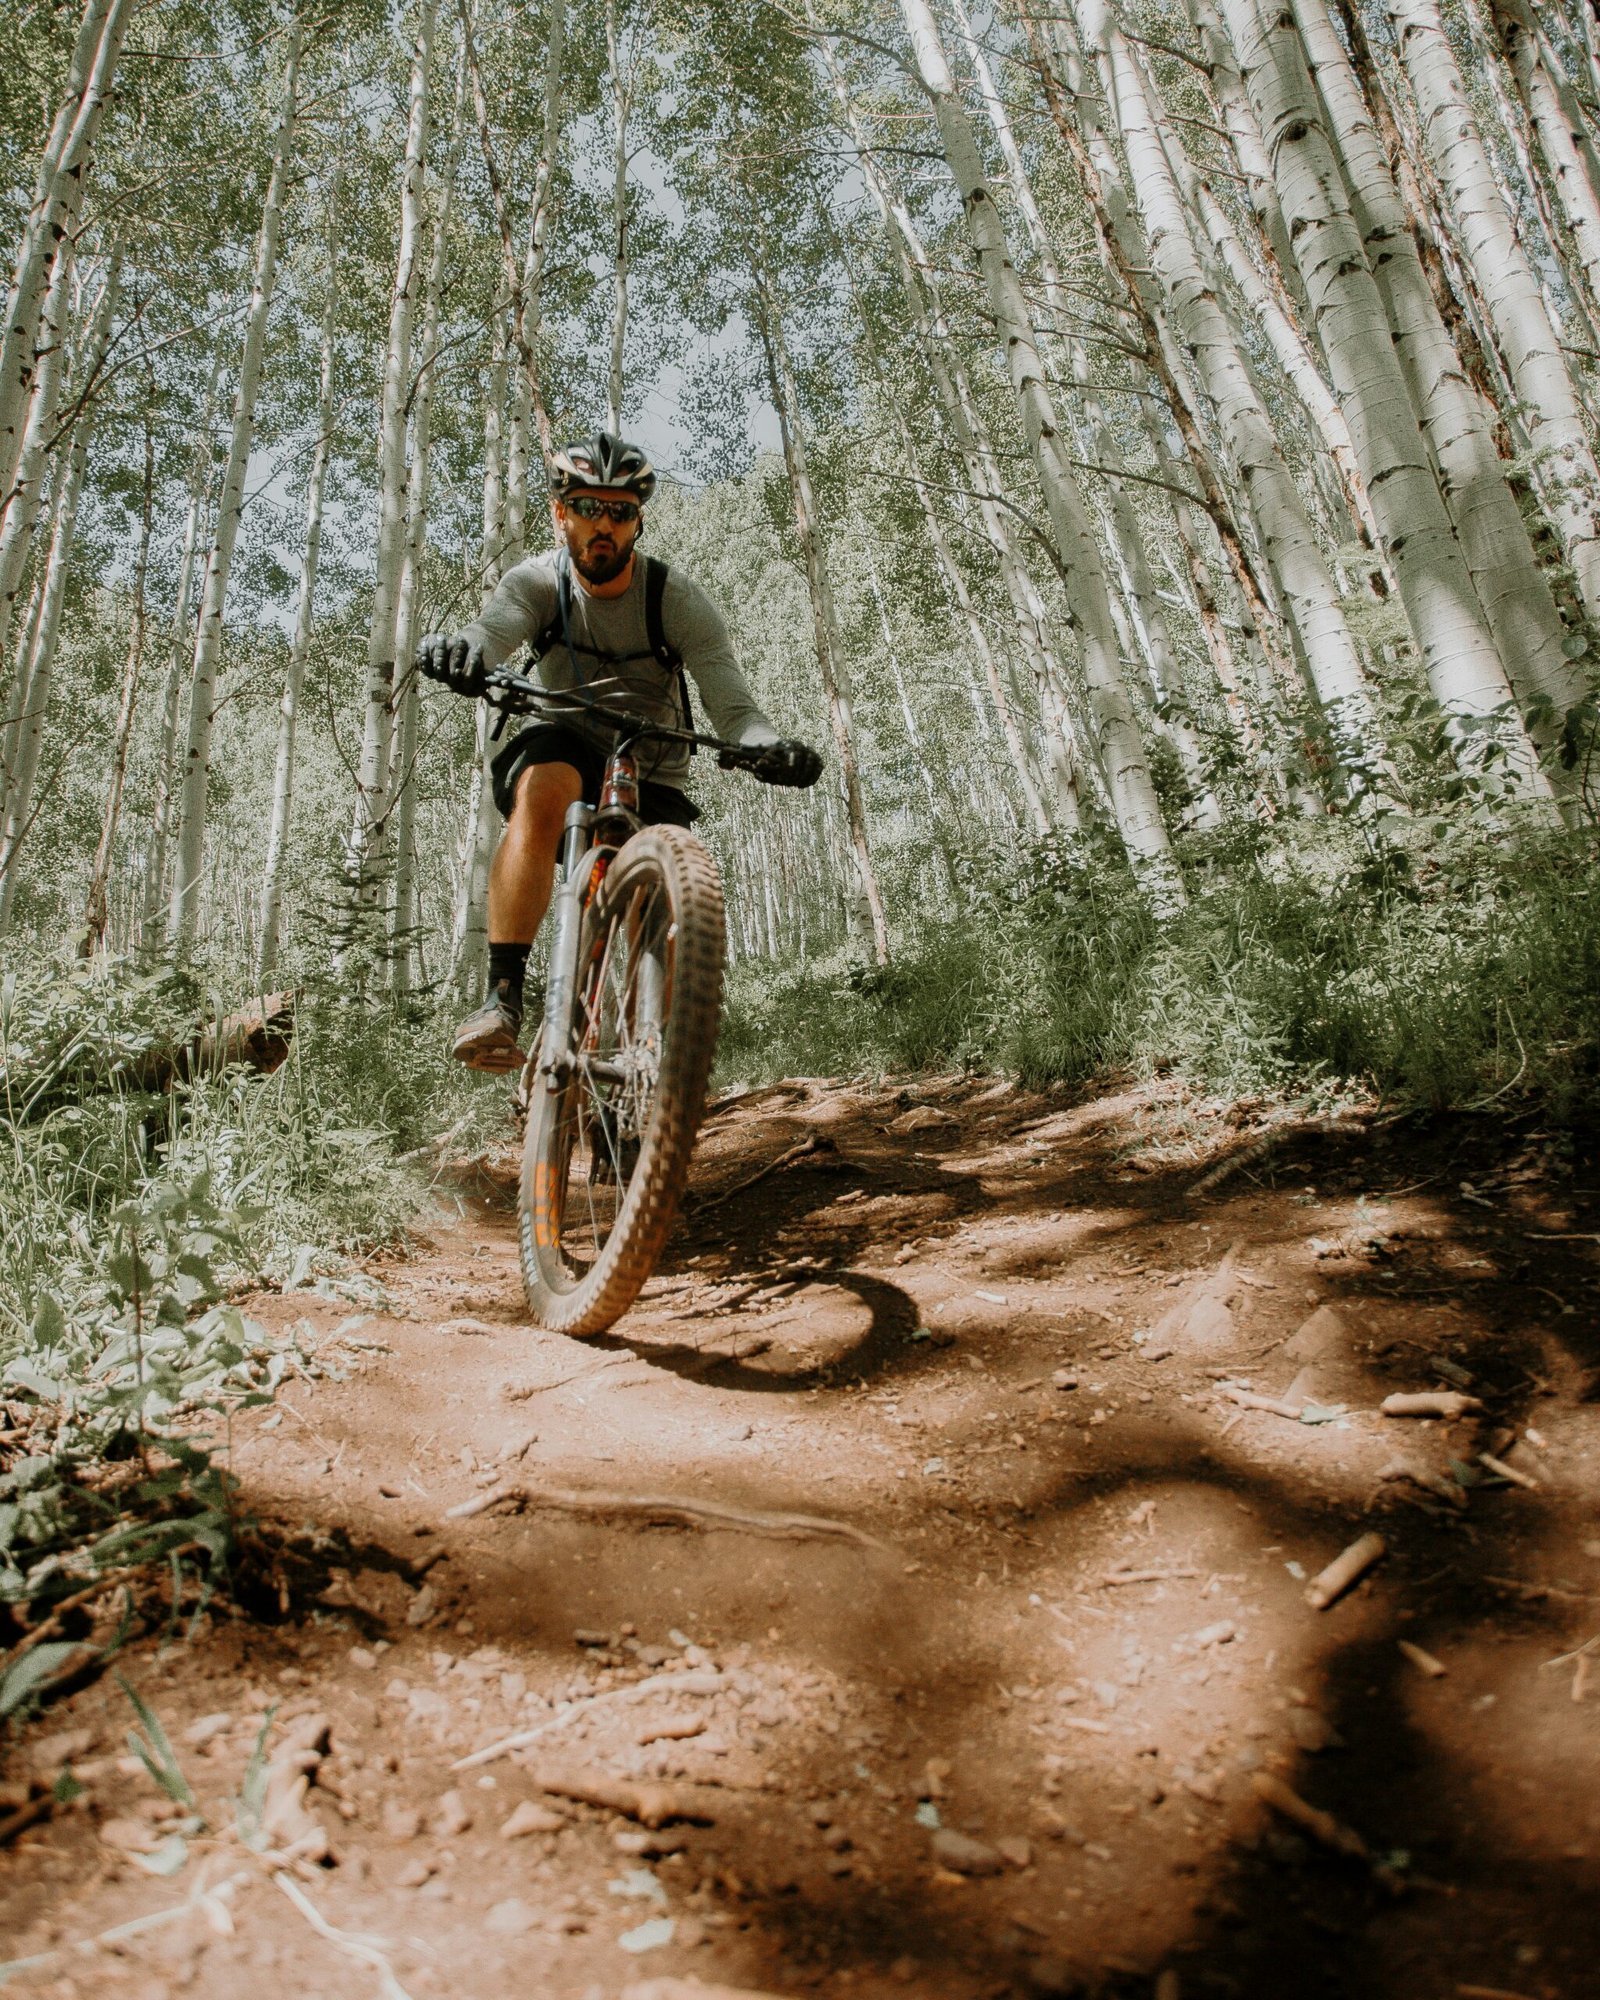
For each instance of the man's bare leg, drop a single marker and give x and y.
(521, 877)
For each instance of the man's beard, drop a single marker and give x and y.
(595, 568)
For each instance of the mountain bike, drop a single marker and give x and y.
(616, 1081)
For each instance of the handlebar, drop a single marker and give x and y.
(515, 694)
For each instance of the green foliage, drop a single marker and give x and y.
(130, 1215)
(1475, 974)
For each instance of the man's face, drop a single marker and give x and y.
(600, 548)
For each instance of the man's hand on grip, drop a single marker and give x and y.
(789, 763)
(456, 662)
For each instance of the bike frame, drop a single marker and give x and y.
(590, 836)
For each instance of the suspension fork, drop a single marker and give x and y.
(577, 864)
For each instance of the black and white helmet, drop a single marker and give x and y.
(604, 461)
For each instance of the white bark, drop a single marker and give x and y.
(1560, 135)
(1121, 527)
(58, 196)
(1463, 668)
(95, 908)
(1133, 793)
(1519, 607)
(270, 918)
(16, 531)
(183, 913)
(921, 286)
(1547, 398)
(831, 660)
(1309, 592)
(621, 109)
(371, 806)
(1288, 345)
(525, 281)
(469, 931)
(180, 651)
(1249, 148)
(37, 673)
(404, 762)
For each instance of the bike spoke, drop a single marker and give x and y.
(608, 1118)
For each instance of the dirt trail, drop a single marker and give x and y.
(1009, 1731)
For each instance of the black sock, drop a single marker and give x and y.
(508, 963)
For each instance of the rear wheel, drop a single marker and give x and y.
(607, 1148)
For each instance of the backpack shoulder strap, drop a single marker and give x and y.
(671, 660)
(559, 623)
(655, 592)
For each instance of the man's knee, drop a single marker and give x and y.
(542, 795)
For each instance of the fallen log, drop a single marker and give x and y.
(257, 1037)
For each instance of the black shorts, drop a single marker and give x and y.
(552, 743)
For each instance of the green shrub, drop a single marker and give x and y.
(1312, 969)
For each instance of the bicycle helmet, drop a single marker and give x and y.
(603, 461)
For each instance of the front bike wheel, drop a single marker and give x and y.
(607, 1147)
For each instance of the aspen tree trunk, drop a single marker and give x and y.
(31, 695)
(524, 280)
(1122, 528)
(183, 912)
(1249, 148)
(1559, 131)
(921, 286)
(93, 937)
(830, 644)
(180, 652)
(935, 777)
(621, 107)
(16, 531)
(368, 825)
(36, 672)
(1528, 338)
(1133, 793)
(1101, 177)
(58, 196)
(270, 916)
(923, 297)
(469, 933)
(1518, 605)
(1310, 594)
(404, 761)
(1288, 345)
(1463, 668)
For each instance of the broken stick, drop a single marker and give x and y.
(1322, 1826)
(1501, 1470)
(650, 1805)
(1345, 1569)
(1247, 1399)
(1430, 1403)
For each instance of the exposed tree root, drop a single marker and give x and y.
(669, 1507)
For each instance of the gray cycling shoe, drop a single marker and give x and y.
(487, 1038)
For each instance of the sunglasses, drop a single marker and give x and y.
(587, 508)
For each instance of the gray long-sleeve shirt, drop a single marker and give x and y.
(526, 599)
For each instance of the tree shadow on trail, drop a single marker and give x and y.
(1461, 1783)
(874, 1328)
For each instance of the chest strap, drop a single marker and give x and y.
(557, 634)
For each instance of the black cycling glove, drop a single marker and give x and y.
(788, 763)
(456, 662)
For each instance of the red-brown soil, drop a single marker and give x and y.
(873, 1335)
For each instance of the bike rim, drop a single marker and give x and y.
(602, 1123)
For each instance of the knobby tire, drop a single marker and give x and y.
(665, 869)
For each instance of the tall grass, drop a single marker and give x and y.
(1309, 968)
(315, 1154)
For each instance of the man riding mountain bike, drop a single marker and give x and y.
(622, 631)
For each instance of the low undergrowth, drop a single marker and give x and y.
(142, 1193)
(1471, 976)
